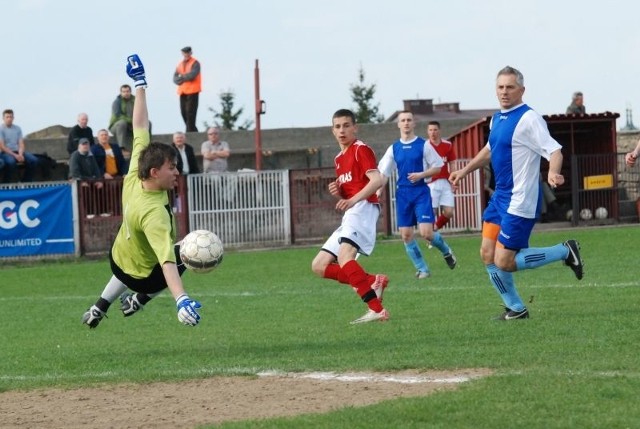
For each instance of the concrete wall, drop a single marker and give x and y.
(284, 148)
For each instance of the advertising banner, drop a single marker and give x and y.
(36, 221)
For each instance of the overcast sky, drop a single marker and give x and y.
(65, 57)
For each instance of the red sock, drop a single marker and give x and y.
(334, 272)
(361, 282)
(441, 221)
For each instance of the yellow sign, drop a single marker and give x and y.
(598, 182)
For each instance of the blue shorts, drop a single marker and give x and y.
(413, 205)
(514, 230)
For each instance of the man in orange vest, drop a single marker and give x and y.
(188, 78)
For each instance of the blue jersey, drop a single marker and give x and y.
(519, 137)
(409, 157)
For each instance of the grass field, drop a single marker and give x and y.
(574, 364)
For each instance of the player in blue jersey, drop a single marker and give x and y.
(518, 139)
(416, 161)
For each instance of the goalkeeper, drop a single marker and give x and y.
(144, 258)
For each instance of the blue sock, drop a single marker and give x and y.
(439, 243)
(535, 257)
(502, 281)
(415, 255)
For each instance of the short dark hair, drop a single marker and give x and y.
(154, 156)
(126, 85)
(341, 113)
(7, 112)
(436, 123)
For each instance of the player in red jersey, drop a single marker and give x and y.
(357, 180)
(442, 196)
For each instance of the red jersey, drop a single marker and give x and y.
(448, 154)
(352, 167)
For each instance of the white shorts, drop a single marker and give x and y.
(358, 225)
(441, 194)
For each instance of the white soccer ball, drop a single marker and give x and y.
(601, 213)
(201, 251)
(586, 214)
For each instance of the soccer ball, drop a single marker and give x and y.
(585, 214)
(201, 251)
(601, 213)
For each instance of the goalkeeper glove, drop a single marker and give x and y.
(187, 310)
(135, 70)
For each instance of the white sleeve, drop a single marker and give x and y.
(540, 139)
(387, 163)
(430, 157)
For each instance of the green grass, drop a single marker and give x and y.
(573, 364)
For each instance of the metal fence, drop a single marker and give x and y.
(245, 209)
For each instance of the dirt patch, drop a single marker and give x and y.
(214, 400)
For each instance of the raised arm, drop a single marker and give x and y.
(135, 70)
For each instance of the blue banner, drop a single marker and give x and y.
(36, 221)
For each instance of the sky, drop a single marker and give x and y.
(63, 58)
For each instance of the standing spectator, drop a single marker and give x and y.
(78, 131)
(187, 163)
(189, 80)
(214, 152)
(577, 104)
(518, 139)
(83, 167)
(120, 124)
(144, 258)
(355, 188)
(415, 161)
(13, 150)
(108, 156)
(442, 196)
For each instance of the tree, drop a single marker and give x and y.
(366, 112)
(227, 118)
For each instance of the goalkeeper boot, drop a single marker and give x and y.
(93, 316)
(130, 304)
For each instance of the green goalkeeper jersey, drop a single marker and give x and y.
(148, 231)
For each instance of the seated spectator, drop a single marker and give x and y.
(79, 131)
(577, 104)
(121, 113)
(83, 167)
(108, 156)
(13, 150)
(214, 152)
(187, 163)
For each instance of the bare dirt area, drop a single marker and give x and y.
(215, 400)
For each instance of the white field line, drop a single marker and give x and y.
(321, 376)
(367, 377)
(396, 289)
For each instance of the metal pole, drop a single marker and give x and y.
(259, 111)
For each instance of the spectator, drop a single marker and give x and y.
(577, 104)
(187, 163)
(79, 131)
(13, 150)
(121, 113)
(83, 167)
(189, 80)
(214, 152)
(108, 156)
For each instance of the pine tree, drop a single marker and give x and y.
(226, 119)
(366, 112)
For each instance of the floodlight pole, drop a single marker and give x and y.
(260, 108)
